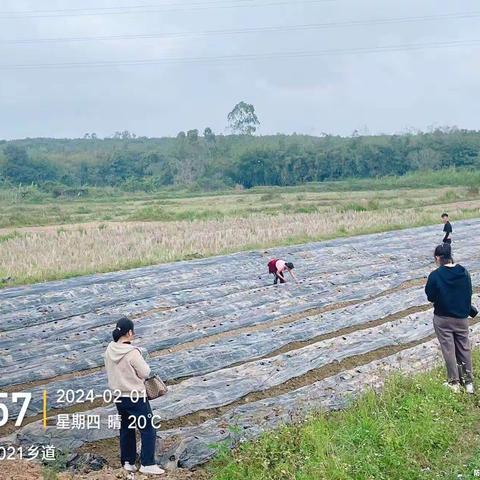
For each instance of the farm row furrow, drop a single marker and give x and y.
(22, 358)
(190, 446)
(224, 386)
(234, 349)
(171, 281)
(180, 277)
(246, 346)
(134, 301)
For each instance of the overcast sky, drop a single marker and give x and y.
(335, 93)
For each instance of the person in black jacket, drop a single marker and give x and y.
(447, 229)
(449, 288)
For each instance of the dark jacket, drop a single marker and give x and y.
(447, 228)
(450, 290)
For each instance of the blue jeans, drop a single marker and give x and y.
(130, 413)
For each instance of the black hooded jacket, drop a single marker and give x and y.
(450, 290)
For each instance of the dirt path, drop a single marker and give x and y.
(23, 470)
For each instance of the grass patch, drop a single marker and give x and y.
(272, 197)
(28, 206)
(160, 214)
(51, 469)
(450, 196)
(473, 191)
(10, 236)
(414, 429)
(353, 207)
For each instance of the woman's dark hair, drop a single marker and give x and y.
(444, 253)
(289, 265)
(124, 325)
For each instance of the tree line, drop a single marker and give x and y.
(211, 161)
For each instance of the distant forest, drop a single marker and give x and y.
(208, 161)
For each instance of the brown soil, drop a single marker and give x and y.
(20, 470)
(115, 474)
(24, 470)
(109, 450)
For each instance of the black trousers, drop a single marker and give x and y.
(277, 278)
(133, 413)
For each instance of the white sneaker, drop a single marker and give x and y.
(453, 386)
(469, 388)
(129, 468)
(152, 470)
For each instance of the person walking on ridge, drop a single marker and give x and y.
(447, 228)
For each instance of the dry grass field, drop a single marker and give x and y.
(106, 234)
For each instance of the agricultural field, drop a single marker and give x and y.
(46, 239)
(241, 356)
(158, 159)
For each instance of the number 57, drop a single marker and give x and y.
(26, 396)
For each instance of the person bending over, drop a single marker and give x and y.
(447, 228)
(279, 268)
(449, 288)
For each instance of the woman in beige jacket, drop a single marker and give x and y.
(127, 371)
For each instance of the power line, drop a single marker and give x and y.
(102, 9)
(241, 31)
(248, 57)
(141, 9)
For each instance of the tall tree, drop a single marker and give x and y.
(424, 159)
(192, 136)
(209, 135)
(20, 168)
(242, 119)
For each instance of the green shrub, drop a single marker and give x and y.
(305, 209)
(449, 196)
(10, 236)
(473, 191)
(355, 207)
(272, 197)
(373, 204)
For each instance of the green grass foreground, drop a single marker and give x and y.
(415, 429)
